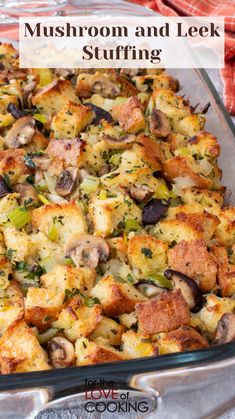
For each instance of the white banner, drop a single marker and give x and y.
(121, 42)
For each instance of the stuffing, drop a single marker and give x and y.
(211, 201)
(168, 312)
(163, 81)
(78, 319)
(150, 152)
(62, 278)
(106, 214)
(147, 255)
(226, 272)
(190, 125)
(137, 345)
(42, 306)
(20, 350)
(116, 297)
(174, 231)
(193, 259)
(204, 144)
(207, 318)
(54, 96)
(225, 232)
(175, 107)
(11, 305)
(19, 245)
(129, 115)
(13, 165)
(66, 152)
(108, 331)
(44, 248)
(180, 340)
(65, 218)
(185, 167)
(71, 120)
(118, 248)
(89, 353)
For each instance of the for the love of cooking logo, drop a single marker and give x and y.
(103, 396)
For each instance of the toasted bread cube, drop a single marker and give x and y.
(78, 320)
(190, 125)
(180, 166)
(137, 345)
(118, 248)
(54, 96)
(83, 88)
(147, 254)
(67, 218)
(11, 305)
(7, 204)
(19, 244)
(42, 306)
(129, 115)
(44, 248)
(128, 320)
(211, 201)
(176, 231)
(116, 297)
(207, 318)
(168, 312)
(89, 353)
(108, 331)
(226, 272)
(9, 56)
(164, 81)
(38, 143)
(5, 271)
(175, 107)
(20, 350)
(63, 277)
(204, 144)
(150, 151)
(107, 213)
(12, 164)
(225, 232)
(193, 259)
(71, 120)
(66, 152)
(180, 340)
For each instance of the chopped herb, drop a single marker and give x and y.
(130, 279)
(89, 302)
(35, 271)
(9, 253)
(147, 252)
(21, 266)
(70, 294)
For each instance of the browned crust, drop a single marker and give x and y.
(226, 272)
(193, 259)
(151, 151)
(41, 317)
(186, 338)
(12, 162)
(166, 313)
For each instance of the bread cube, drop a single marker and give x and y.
(12, 164)
(108, 331)
(116, 297)
(11, 305)
(89, 353)
(129, 115)
(5, 271)
(180, 340)
(66, 152)
(225, 232)
(175, 231)
(19, 244)
(168, 312)
(137, 345)
(226, 272)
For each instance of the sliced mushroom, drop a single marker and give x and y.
(121, 143)
(66, 182)
(104, 85)
(16, 112)
(99, 114)
(225, 331)
(149, 289)
(61, 352)
(159, 123)
(4, 187)
(87, 250)
(41, 161)
(140, 193)
(21, 133)
(153, 211)
(189, 288)
(28, 195)
(66, 73)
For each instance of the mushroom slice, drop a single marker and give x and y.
(153, 211)
(103, 85)
(41, 161)
(61, 352)
(121, 143)
(21, 133)
(87, 250)
(225, 331)
(100, 114)
(189, 288)
(4, 187)
(159, 123)
(28, 194)
(140, 193)
(16, 112)
(66, 182)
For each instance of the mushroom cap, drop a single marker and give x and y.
(87, 250)
(66, 182)
(121, 143)
(225, 331)
(61, 352)
(153, 211)
(100, 114)
(159, 123)
(21, 133)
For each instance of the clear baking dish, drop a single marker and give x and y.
(197, 384)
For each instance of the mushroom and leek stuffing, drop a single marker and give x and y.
(114, 240)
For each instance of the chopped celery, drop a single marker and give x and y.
(43, 199)
(45, 76)
(53, 233)
(40, 117)
(48, 263)
(160, 280)
(183, 151)
(48, 335)
(19, 217)
(131, 225)
(89, 185)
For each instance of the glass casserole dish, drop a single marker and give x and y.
(207, 373)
